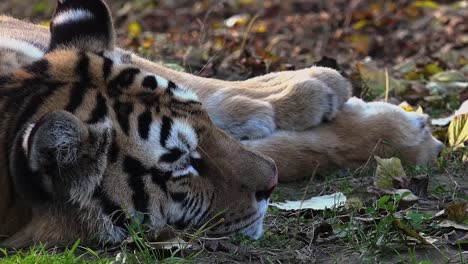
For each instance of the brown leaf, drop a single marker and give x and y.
(323, 230)
(457, 212)
(417, 185)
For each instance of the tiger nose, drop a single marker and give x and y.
(272, 183)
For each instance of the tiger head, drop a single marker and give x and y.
(95, 142)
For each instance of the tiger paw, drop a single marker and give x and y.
(242, 117)
(306, 98)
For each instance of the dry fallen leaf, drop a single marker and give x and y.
(386, 170)
(458, 131)
(417, 185)
(457, 212)
(314, 203)
(452, 224)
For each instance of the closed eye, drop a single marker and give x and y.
(187, 165)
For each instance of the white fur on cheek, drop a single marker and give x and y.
(72, 16)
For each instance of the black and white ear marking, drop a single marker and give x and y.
(83, 24)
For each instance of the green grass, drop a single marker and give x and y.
(40, 254)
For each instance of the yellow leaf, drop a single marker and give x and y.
(246, 2)
(458, 131)
(426, 4)
(408, 108)
(261, 29)
(431, 69)
(134, 29)
(360, 24)
(386, 170)
(360, 43)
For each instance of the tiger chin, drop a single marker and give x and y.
(90, 141)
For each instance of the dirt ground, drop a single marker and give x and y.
(236, 39)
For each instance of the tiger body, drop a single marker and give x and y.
(93, 135)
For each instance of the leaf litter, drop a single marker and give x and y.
(409, 52)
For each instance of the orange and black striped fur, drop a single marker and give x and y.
(88, 141)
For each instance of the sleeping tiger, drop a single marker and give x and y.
(94, 135)
(90, 140)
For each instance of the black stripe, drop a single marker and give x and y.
(150, 82)
(171, 157)
(123, 112)
(40, 92)
(197, 213)
(181, 223)
(171, 85)
(187, 201)
(191, 202)
(100, 110)
(28, 184)
(40, 67)
(165, 130)
(240, 219)
(107, 68)
(79, 89)
(114, 150)
(197, 202)
(136, 171)
(199, 165)
(178, 197)
(110, 208)
(160, 178)
(144, 123)
(149, 99)
(206, 214)
(122, 81)
(4, 80)
(186, 103)
(226, 232)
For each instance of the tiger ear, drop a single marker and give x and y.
(83, 24)
(59, 158)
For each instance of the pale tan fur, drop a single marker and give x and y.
(358, 133)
